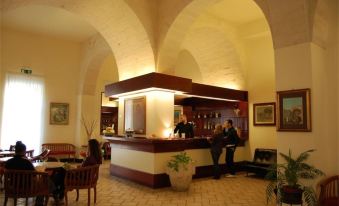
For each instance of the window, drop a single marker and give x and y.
(22, 114)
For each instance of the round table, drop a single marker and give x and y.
(48, 165)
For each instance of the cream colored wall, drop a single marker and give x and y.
(306, 66)
(54, 59)
(186, 66)
(159, 113)
(258, 45)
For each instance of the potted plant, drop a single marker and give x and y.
(180, 170)
(285, 180)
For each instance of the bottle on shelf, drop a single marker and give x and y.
(198, 115)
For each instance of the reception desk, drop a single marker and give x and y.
(144, 160)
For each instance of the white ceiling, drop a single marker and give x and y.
(237, 11)
(48, 21)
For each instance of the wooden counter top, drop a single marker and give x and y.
(158, 145)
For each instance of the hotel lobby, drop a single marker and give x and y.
(120, 65)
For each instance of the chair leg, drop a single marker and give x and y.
(77, 195)
(66, 198)
(5, 202)
(46, 200)
(26, 201)
(95, 194)
(15, 200)
(89, 197)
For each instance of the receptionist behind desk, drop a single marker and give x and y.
(184, 127)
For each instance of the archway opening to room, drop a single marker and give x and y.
(227, 44)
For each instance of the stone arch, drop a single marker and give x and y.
(178, 29)
(289, 23)
(117, 24)
(217, 57)
(95, 52)
(188, 67)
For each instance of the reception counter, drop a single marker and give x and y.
(144, 160)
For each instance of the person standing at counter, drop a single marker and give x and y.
(232, 140)
(216, 149)
(184, 127)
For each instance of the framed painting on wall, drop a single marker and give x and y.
(58, 113)
(135, 115)
(264, 114)
(294, 110)
(177, 113)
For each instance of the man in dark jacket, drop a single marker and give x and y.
(184, 127)
(232, 140)
(19, 161)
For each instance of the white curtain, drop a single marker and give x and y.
(23, 111)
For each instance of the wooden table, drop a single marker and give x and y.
(7, 154)
(4, 159)
(49, 165)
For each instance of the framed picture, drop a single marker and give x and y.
(294, 110)
(264, 114)
(177, 114)
(59, 113)
(135, 115)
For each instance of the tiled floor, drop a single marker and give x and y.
(238, 191)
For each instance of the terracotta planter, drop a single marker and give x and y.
(181, 180)
(291, 195)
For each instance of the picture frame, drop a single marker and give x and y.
(178, 110)
(264, 114)
(135, 115)
(59, 113)
(294, 110)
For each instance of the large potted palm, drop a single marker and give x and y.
(285, 180)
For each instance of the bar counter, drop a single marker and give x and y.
(144, 160)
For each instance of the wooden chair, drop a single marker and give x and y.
(11, 148)
(82, 178)
(107, 150)
(329, 191)
(29, 153)
(25, 184)
(41, 157)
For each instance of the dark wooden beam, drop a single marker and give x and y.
(150, 80)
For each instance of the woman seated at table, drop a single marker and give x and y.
(94, 157)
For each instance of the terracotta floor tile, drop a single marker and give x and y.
(111, 191)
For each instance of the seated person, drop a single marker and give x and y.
(19, 161)
(184, 127)
(94, 154)
(94, 157)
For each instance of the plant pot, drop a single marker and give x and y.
(291, 195)
(181, 179)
